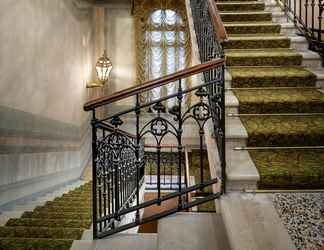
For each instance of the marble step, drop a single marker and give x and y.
(262, 57)
(235, 132)
(257, 42)
(241, 171)
(252, 223)
(119, 242)
(234, 16)
(192, 231)
(240, 6)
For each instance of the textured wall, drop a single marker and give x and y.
(120, 46)
(45, 61)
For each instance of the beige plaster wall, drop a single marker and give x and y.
(120, 44)
(46, 52)
(45, 58)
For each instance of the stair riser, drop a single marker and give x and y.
(241, 7)
(252, 29)
(263, 61)
(58, 216)
(246, 17)
(272, 82)
(279, 18)
(320, 83)
(27, 232)
(63, 210)
(237, 142)
(288, 31)
(280, 140)
(52, 223)
(241, 185)
(28, 244)
(280, 107)
(299, 46)
(312, 63)
(257, 44)
(231, 110)
(272, 8)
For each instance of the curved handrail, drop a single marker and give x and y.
(152, 84)
(110, 128)
(219, 28)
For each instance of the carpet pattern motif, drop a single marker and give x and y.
(271, 85)
(53, 226)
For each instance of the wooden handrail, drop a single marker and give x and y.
(219, 28)
(152, 84)
(112, 129)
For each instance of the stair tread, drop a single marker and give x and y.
(260, 12)
(293, 71)
(202, 231)
(57, 215)
(232, 35)
(30, 243)
(262, 57)
(289, 168)
(238, 3)
(280, 101)
(255, 23)
(40, 232)
(240, 6)
(256, 42)
(252, 223)
(49, 222)
(275, 51)
(284, 130)
(261, 38)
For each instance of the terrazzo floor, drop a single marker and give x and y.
(303, 216)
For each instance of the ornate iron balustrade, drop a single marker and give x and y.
(168, 169)
(118, 156)
(209, 41)
(307, 16)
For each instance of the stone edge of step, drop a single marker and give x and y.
(242, 213)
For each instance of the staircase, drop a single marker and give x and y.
(274, 104)
(53, 224)
(202, 231)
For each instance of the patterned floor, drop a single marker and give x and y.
(303, 216)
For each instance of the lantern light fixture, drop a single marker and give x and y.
(103, 69)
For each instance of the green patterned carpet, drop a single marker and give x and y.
(196, 172)
(53, 226)
(271, 85)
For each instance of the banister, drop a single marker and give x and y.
(113, 129)
(219, 28)
(152, 84)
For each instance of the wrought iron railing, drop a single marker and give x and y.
(168, 169)
(211, 34)
(118, 149)
(307, 16)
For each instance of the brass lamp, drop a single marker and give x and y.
(103, 69)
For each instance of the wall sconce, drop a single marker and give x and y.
(103, 69)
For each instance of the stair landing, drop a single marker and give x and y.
(181, 231)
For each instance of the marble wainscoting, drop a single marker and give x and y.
(37, 153)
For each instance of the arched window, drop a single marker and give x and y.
(165, 50)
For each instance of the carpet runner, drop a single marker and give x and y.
(53, 226)
(275, 92)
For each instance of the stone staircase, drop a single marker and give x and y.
(52, 221)
(182, 231)
(273, 92)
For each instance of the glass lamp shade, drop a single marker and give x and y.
(103, 67)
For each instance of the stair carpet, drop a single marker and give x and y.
(276, 94)
(53, 226)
